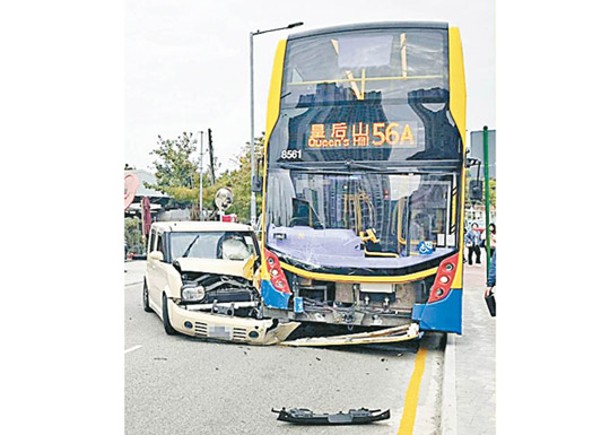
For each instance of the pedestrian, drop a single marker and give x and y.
(490, 246)
(472, 242)
(491, 281)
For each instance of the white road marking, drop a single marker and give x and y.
(133, 348)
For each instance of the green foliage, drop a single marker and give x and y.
(177, 175)
(133, 235)
(175, 171)
(493, 191)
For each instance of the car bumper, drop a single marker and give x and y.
(228, 328)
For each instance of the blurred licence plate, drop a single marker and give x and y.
(222, 332)
(379, 287)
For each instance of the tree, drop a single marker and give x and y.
(133, 235)
(177, 175)
(492, 183)
(176, 172)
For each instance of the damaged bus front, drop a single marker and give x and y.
(363, 172)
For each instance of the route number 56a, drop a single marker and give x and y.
(392, 134)
(291, 154)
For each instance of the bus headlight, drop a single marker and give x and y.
(444, 279)
(193, 294)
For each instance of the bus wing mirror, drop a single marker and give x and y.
(475, 190)
(470, 161)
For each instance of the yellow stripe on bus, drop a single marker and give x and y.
(458, 96)
(412, 395)
(458, 104)
(272, 116)
(357, 278)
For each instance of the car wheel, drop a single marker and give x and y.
(145, 298)
(166, 323)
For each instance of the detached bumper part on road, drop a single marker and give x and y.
(354, 416)
(228, 328)
(382, 336)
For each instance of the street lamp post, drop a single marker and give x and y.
(252, 154)
(201, 181)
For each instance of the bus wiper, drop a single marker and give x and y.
(185, 254)
(311, 168)
(337, 167)
(351, 163)
(372, 168)
(293, 165)
(427, 166)
(328, 166)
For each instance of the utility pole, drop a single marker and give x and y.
(487, 198)
(252, 157)
(201, 181)
(212, 170)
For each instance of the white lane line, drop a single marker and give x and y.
(133, 348)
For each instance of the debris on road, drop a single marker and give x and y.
(389, 335)
(305, 416)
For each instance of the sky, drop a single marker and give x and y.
(187, 62)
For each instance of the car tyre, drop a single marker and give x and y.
(166, 323)
(145, 298)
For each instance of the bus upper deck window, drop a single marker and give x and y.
(364, 51)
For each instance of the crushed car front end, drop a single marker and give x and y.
(217, 301)
(188, 320)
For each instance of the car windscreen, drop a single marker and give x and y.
(226, 245)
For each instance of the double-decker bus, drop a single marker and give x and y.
(363, 174)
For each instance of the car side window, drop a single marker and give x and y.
(159, 245)
(151, 241)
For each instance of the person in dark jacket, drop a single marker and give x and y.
(490, 245)
(491, 279)
(472, 242)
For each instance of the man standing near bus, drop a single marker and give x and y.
(472, 242)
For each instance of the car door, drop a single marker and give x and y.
(155, 273)
(164, 267)
(149, 249)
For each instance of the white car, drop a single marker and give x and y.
(199, 281)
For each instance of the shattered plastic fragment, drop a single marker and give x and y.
(305, 416)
